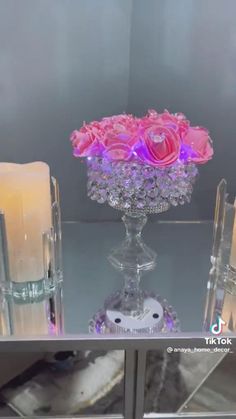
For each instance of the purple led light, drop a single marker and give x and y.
(186, 153)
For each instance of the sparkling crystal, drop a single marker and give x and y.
(138, 182)
(134, 167)
(173, 201)
(165, 193)
(181, 200)
(152, 203)
(127, 183)
(113, 201)
(146, 172)
(191, 170)
(141, 193)
(140, 203)
(126, 204)
(128, 194)
(94, 196)
(135, 186)
(103, 196)
(149, 183)
(153, 193)
(101, 200)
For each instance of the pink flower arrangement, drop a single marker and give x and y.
(156, 139)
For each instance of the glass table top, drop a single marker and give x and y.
(180, 276)
(183, 262)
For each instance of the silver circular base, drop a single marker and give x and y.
(156, 317)
(150, 319)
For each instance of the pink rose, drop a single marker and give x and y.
(119, 137)
(159, 145)
(177, 121)
(122, 119)
(157, 139)
(197, 145)
(119, 151)
(87, 140)
(81, 143)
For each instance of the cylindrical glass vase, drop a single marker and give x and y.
(34, 307)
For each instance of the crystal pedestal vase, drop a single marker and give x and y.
(136, 189)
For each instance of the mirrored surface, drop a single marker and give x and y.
(189, 383)
(92, 383)
(183, 261)
(216, 391)
(62, 384)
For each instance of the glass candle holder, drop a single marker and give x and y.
(34, 307)
(221, 293)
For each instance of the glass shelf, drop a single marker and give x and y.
(183, 262)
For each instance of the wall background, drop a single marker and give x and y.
(183, 57)
(65, 61)
(61, 62)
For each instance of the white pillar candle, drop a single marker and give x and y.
(31, 319)
(25, 200)
(233, 243)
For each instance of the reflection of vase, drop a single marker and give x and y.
(137, 189)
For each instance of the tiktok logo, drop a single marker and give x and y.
(217, 328)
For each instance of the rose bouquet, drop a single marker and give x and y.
(144, 164)
(156, 139)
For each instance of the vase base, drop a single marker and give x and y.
(157, 316)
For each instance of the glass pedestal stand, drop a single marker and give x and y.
(133, 310)
(136, 189)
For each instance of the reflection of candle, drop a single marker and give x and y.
(26, 203)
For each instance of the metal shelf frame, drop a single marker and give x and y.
(135, 348)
